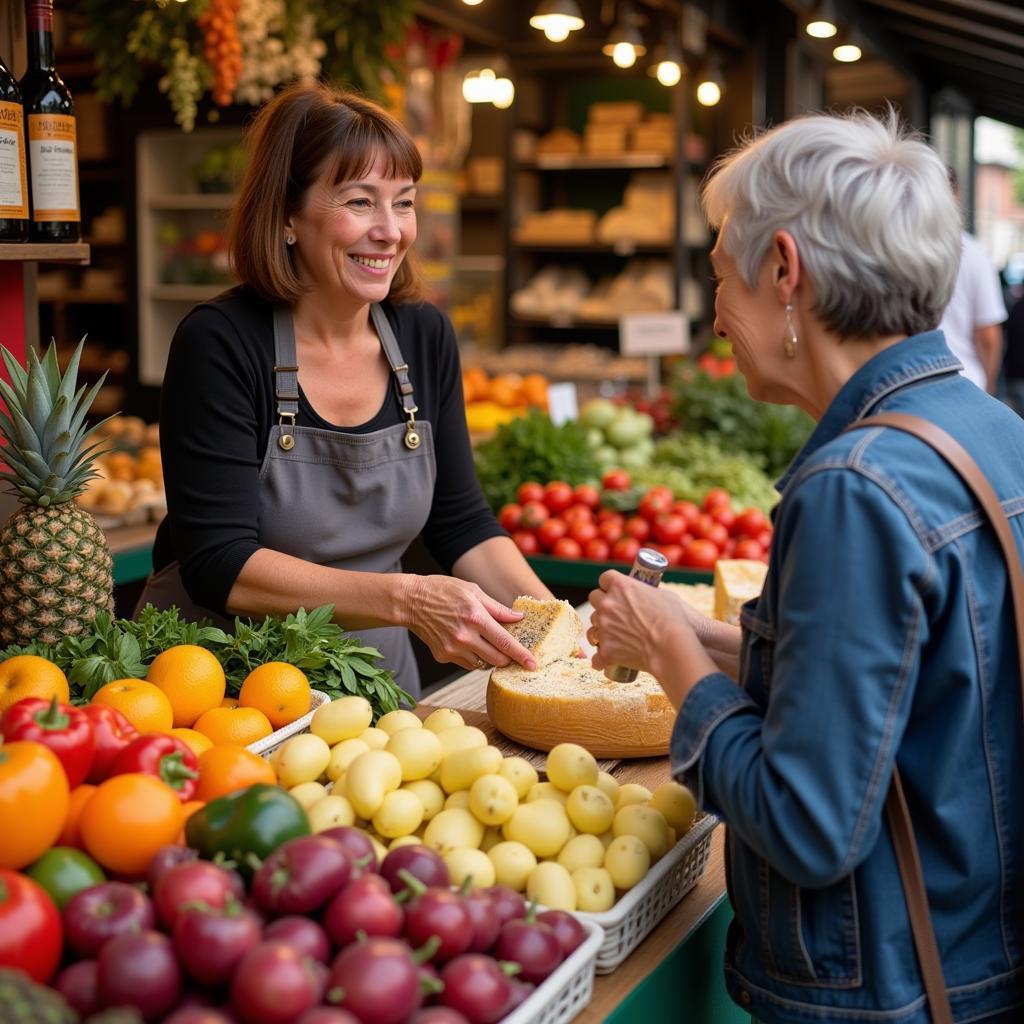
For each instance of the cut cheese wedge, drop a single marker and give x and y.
(550, 630)
(737, 580)
(699, 596)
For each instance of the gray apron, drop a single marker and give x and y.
(348, 501)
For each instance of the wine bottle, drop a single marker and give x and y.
(52, 146)
(13, 176)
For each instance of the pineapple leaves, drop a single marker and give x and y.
(51, 371)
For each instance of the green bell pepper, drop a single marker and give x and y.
(246, 826)
(63, 871)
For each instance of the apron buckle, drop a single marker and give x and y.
(412, 435)
(286, 441)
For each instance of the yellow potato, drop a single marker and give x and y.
(441, 719)
(542, 825)
(569, 765)
(369, 778)
(405, 841)
(458, 799)
(584, 851)
(590, 810)
(546, 791)
(461, 769)
(331, 812)
(342, 755)
(646, 824)
(308, 793)
(493, 799)
(394, 721)
(608, 785)
(676, 804)
(400, 814)
(461, 737)
(341, 719)
(549, 883)
(632, 793)
(472, 864)
(453, 829)
(375, 739)
(302, 758)
(513, 863)
(520, 773)
(627, 860)
(430, 793)
(595, 891)
(418, 751)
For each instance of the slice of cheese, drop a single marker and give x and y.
(550, 630)
(737, 580)
(699, 596)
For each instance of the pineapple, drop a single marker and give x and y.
(55, 564)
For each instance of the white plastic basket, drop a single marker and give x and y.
(634, 916)
(269, 744)
(563, 994)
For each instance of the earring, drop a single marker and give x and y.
(789, 339)
(289, 240)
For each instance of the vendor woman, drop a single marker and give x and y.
(312, 422)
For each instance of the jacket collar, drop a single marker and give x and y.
(914, 359)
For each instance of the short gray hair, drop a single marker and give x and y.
(869, 205)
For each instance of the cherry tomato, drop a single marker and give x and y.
(638, 528)
(655, 503)
(557, 496)
(612, 529)
(668, 528)
(616, 480)
(529, 491)
(750, 522)
(526, 542)
(586, 494)
(567, 548)
(747, 548)
(534, 513)
(597, 549)
(625, 550)
(607, 513)
(716, 498)
(583, 531)
(31, 934)
(577, 513)
(687, 510)
(724, 516)
(551, 531)
(510, 516)
(700, 554)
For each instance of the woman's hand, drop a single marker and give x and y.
(461, 624)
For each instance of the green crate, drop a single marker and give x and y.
(582, 572)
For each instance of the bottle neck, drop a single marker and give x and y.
(39, 29)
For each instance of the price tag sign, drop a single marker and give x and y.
(654, 334)
(562, 403)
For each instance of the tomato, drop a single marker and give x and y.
(586, 494)
(702, 524)
(551, 531)
(526, 542)
(655, 503)
(625, 550)
(668, 528)
(557, 496)
(687, 510)
(716, 498)
(33, 801)
(607, 513)
(747, 548)
(128, 819)
(661, 490)
(529, 491)
(511, 516)
(577, 513)
(567, 548)
(534, 513)
(31, 934)
(724, 516)
(700, 554)
(674, 553)
(612, 529)
(764, 538)
(583, 531)
(638, 528)
(597, 549)
(750, 522)
(616, 480)
(717, 534)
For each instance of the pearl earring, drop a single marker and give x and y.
(789, 339)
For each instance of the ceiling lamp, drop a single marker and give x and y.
(667, 65)
(503, 93)
(711, 85)
(847, 53)
(557, 18)
(472, 3)
(823, 21)
(484, 86)
(624, 44)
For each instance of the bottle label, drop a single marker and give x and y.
(54, 165)
(13, 180)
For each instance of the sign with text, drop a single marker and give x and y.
(563, 404)
(654, 334)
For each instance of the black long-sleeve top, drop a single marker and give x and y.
(216, 411)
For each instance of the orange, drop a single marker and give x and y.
(229, 767)
(195, 741)
(28, 675)
(128, 819)
(71, 835)
(240, 726)
(33, 802)
(189, 809)
(191, 679)
(229, 702)
(143, 704)
(279, 690)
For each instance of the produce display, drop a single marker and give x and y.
(491, 401)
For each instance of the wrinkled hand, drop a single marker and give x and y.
(462, 624)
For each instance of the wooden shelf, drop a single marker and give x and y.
(45, 252)
(192, 201)
(566, 322)
(187, 292)
(85, 297)
(480, 203)
(580, 162)
(623, 248)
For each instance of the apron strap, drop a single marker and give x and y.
(286, 375)
(400, 369)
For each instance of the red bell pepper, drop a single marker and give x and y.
(164, 757)
(113, 732)
(61, 727)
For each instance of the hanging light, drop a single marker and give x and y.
(478, 86)
(557, 18)
(624, 44)
(667, 65)
(472, 3)
(823, 21)
(847, 53)
(711, 84)
(503, 93)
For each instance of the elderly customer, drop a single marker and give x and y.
(885, 633)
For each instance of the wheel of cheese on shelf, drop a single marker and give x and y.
(567, 701)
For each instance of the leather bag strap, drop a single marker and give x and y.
(896, 809)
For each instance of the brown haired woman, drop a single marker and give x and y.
(312, 419)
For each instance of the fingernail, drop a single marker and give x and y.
(531, 664)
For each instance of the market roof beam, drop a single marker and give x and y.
(967, 26)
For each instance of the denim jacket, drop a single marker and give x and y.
(884, 635)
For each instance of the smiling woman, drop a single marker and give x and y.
(312, 421)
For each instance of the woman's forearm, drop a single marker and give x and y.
(499, 569)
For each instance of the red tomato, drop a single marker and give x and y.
(567, 548)
(576, 513)
(31, 934)
(625, 550)
(764, 538)
(616, 480)
(534, 513)
(702, 525)
(724, 516)
(530, 491)
(673, 552)
(668, 528)
(700, 554)
(750, 522)
(687, 510)
(716, 498)
(557, 496)
(611, 529)
(660, 490)
(583, 531)
(587, 494)
(717, 534)
(550, 531)
(730, 547)
(655, 503)
(526, 542)
(510, 516)
(607, 513)
(747, 548)
(598, 549)
(638, 528)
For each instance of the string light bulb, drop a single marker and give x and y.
(503, 93)
(847, 53)
(823, 22)
(711, 84)
(624, 44)
(557, 18)
(667, 66)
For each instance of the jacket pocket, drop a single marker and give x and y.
(809, 936)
